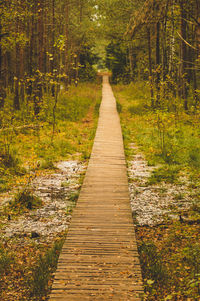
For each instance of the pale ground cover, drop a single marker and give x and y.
(56, 191)
(152, 204)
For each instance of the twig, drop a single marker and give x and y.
(28, 126)
(186, 41)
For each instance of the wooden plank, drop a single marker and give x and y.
(99, 259)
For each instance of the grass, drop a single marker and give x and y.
(42, 272)
(167, 174)
(6, 259)
(36, 148)
(30, 152)
(25, 199)
(165, 137)
(170, 264)
(170, 140)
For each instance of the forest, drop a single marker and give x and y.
(52, 56)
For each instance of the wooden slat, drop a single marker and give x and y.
(99, 259)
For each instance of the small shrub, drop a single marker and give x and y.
(192, 258)
(196, 207)
(47, 164)
(73, 197)
(152, 265)
(25, 199)
(119, 107)
(168, 174)
(96, 108)
(5, 260)
(137, 109)
(194, 157)
(46, 265)
(9, 160)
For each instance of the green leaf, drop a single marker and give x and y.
(150, 282)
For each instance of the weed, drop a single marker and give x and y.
(119, 107)
(86, 155)
(6, 258)
(138, 109)
(46, 265)
(194, 157)
(25, 200)
(9, 160)
(33, 143)
(3, 184)
(192, 258)
(179, 196)
(168, 174)
(73, 197)
(152, 265)
(196, 207)
(47, 164)
(96, 108)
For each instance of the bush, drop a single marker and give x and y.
(168, 174)
(25, 199)
(194, 157)
(5, 260)
(152, 265)
(46, 265)
(119, 107)
(9, 160)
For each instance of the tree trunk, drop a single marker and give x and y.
(198, 27)
(150, 65)
(183, 66)
(41, 36)
(131, 65)
(67, 42)
(16, 103)
(2, 88)
(158, 62)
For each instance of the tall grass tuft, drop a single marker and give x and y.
(39, 282)
(6, 258)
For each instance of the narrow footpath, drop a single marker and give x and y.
(99, 259)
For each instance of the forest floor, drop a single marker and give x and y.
(163, 160)
(39, 192)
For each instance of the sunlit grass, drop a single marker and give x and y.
(36, 148)
(170, 140)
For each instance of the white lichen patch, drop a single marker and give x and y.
(53, 217)
(152, 204)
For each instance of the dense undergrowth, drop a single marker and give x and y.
(29, 146)
(30, 143)
(169, 138)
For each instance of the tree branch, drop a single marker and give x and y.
(186, 41)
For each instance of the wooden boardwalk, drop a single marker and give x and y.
(99, 259)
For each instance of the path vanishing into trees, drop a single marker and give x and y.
(99, 259)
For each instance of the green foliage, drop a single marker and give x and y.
(194, 157)
(25, 200)
(167, 174)
(73, 197)
(87, 60)
(42, 272)
(73, 108)
(138, 109)
(170, 140)
(119, 107)
(26, 140)
(9, 160)
(192, 257)
(116, 62)
(165, 137)
(153, 269)
(6, 258)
